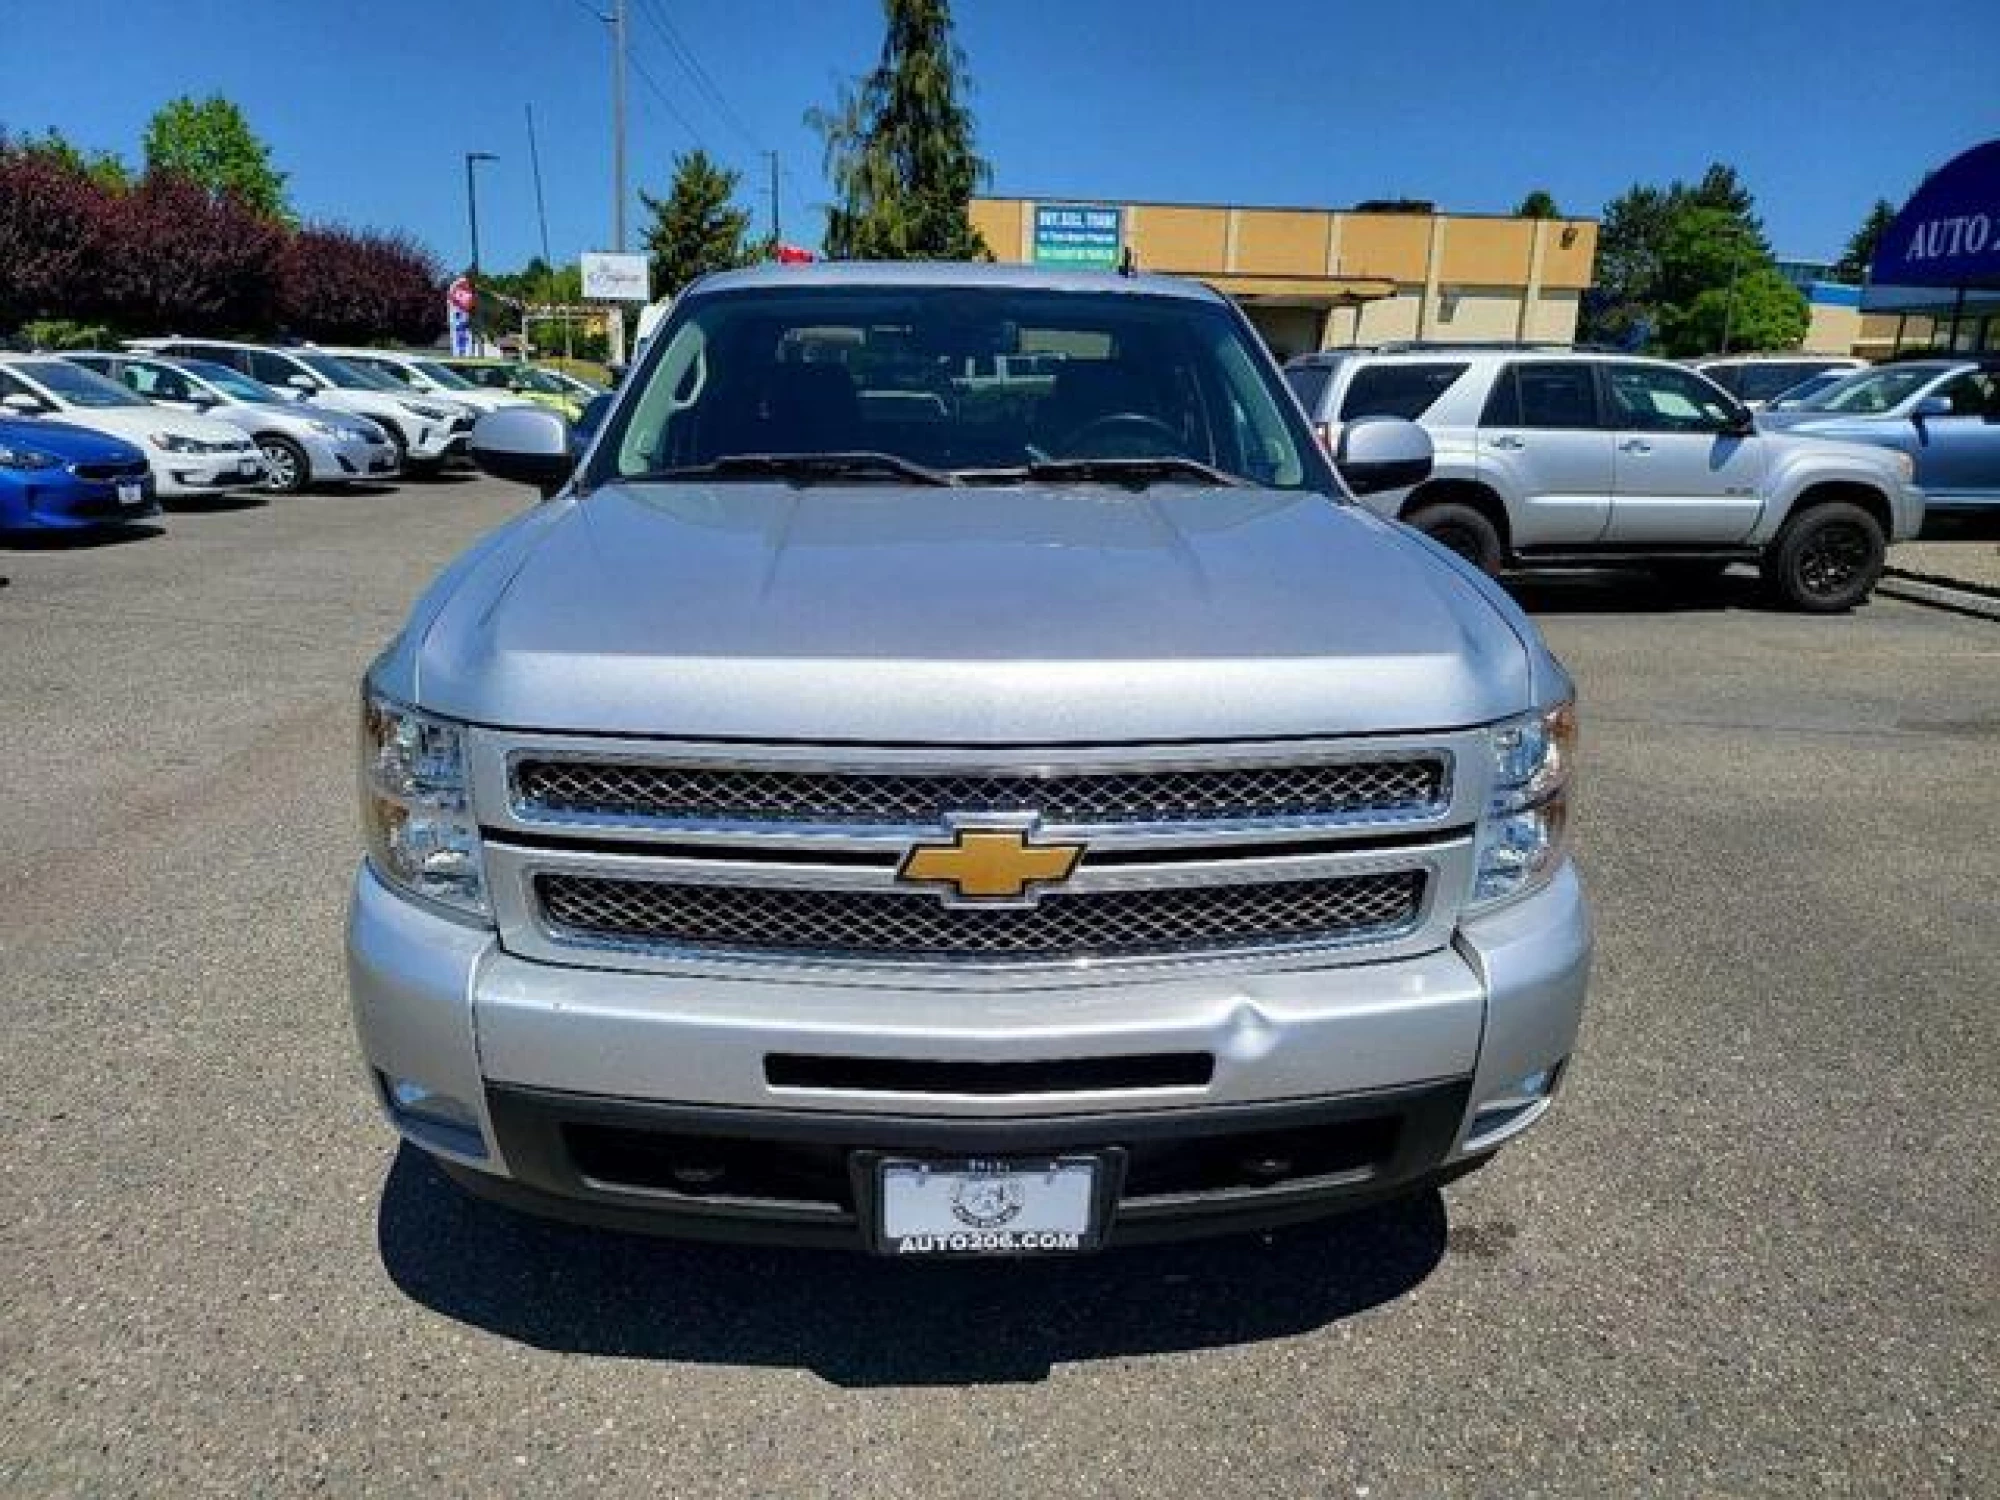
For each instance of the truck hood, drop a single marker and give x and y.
(880, 613)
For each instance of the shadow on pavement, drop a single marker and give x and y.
(74, 539)
(859, 1321)
(1635, 591)
(229, 500)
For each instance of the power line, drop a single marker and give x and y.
(646, 77)
(690, 64)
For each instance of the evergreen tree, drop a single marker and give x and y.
(899, 148)
(697, 227)
(1540, 204)
(1852, 267)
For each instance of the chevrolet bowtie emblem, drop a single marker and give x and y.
(990, 864)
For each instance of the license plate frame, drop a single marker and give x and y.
(131, 493)
(1064, 1204)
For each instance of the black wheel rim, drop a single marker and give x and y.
(284, 473)
(1833, 558)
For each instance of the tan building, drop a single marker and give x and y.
(1314, 278)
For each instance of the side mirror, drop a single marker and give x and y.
(1382, 453)
(1933, 406)
(25, 404)
(527, 444)
(1742, 423)
(202, 400)
(305, 385)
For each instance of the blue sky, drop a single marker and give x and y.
(369, 104)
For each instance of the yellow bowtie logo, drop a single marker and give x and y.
(990, 864)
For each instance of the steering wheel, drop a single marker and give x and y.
(1101, 438)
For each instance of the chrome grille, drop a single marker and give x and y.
(887, 926)
(1411, 785)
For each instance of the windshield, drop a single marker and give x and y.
(231, 382)
(1869, 391)
(340, 373)
(958, 379)
(75, 385)
(451, 380)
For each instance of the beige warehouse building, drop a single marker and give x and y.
(1326, 278)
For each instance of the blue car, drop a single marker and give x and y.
(54, 477)
(1942, 411)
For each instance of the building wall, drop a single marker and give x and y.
(1352, 277)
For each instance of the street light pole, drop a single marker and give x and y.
(1729, 298)
(472, 204)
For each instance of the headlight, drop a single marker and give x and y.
(1520, 842)
(27, 458)
(1906, 466)
(328, 429)
(415, 808)
(425, 410)
(173, 442)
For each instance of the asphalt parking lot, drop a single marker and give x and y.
(1756, 1251)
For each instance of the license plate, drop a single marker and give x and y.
(131, 494)
(1011, 1207)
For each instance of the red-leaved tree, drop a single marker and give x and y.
(191, 261)
(57, 239)
(348, 286)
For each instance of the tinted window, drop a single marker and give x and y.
(1398, 390)
(882, 368)
(1762, 382)
(1729, 377)
(1309, 383)
(1973, 394)
(272, 369)
(1545, 394)
(1661, 398)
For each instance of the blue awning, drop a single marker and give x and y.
(1948, 234)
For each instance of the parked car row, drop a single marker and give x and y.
(1550, 457)
(103, 436)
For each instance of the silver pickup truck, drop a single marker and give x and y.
(869, 803)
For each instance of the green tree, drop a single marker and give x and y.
(1540, 204)
(899, 148)
(1620, 307)
(209, 141)
(697, 227)
(104, 168)
(1852, 267)
(1764, 311)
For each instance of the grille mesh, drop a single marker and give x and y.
(892, 925)
(697, 793)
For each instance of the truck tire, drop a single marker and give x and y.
(1826, 558)
(1461, 529)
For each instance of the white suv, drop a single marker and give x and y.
(1557, 457)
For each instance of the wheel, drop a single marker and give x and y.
(286, 468)
(1461, 529)
(400, 443)
(1826, 559)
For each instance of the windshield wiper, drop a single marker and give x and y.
(1135, 473)
(806, 468)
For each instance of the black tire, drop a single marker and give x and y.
(1826, 558)
(287, 470)
(397, 441)
(1461, 529)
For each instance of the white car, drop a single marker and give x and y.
(190, 455)
(426, 430)
(302, 443)
(425, 377)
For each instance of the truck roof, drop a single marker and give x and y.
(953, 274)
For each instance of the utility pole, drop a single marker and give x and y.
(777, 234)
(618, 40)
(542, 218)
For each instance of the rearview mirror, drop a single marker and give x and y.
(1382, 453)
(527, 444)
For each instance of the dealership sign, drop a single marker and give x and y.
(1948, 234)
(1085, 236)
(615, 278)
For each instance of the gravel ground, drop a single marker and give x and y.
(1753, 1252)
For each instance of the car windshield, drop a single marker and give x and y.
(1870, 391)
(230, 382)
(76, 386)
(1811, 386)
(980, 383)
(451, 380)
(347, 377)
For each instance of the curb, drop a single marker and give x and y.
(1939, 594)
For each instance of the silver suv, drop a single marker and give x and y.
(1554, 457)
(871, 804)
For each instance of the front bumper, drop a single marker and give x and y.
(346, 460)
(436, 442)
(183, 474)
(64, 502)
(580, 1090)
